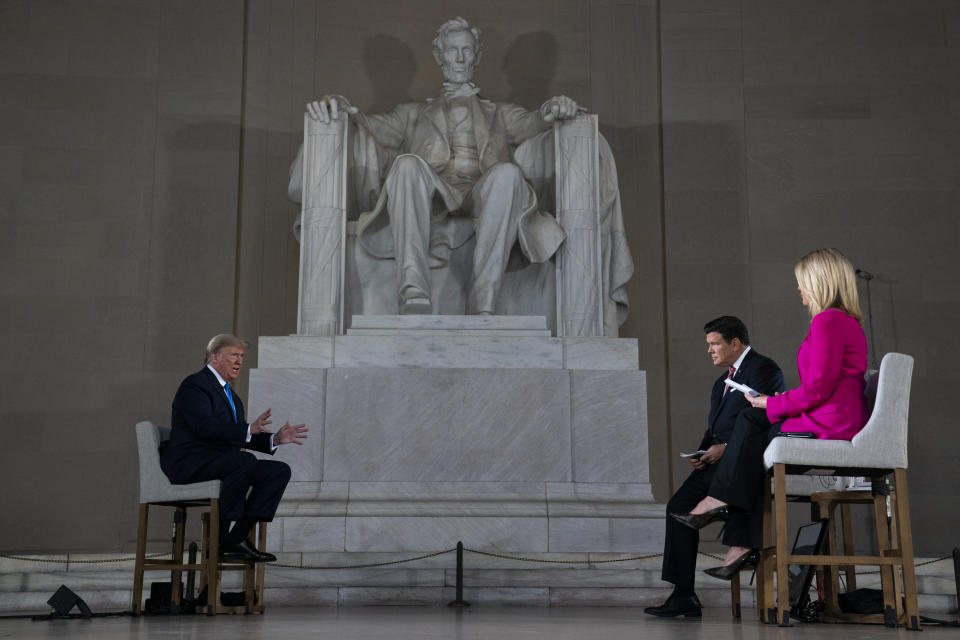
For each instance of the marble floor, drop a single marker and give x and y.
(426, 623)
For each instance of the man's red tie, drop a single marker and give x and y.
(729, 376)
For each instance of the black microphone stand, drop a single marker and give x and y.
(867, 277)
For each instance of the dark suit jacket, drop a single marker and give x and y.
(756, 371)
(202, 427)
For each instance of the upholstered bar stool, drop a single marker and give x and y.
(157, 490)
(878, 451)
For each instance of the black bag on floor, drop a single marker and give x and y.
(861, 601)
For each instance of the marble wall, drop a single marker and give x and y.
(788, 126)
(119, 155)
(143, 161)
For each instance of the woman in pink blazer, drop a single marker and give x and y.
(829, 403)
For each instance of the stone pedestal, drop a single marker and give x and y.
(426, 430)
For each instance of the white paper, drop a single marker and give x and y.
(741, 387)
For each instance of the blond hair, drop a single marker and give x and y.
(220, 341)
(827, 280)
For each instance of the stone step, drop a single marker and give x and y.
(471, 333)
(431, 348)
(26, 585)
(439, 325)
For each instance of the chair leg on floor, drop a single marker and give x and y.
(261, 568)
(176, 582)
(735, 596)
(783, 559)
(137, 603)
(213, 559)
(891, 601)
(905, 536)
(766, 611)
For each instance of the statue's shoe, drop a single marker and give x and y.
(416, 306)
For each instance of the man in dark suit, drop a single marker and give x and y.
(729, 346)
(207, 435)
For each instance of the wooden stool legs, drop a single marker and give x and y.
(894, 557)
(138, 566)
(209, 566)
(253, 572)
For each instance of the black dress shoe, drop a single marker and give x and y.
(700, 520)
(243, 550)
(232, 552)
(726, 572)
(687, 606)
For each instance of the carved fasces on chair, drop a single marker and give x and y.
(323, 226)
(579, 267)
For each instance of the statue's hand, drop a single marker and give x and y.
(328, 108)
(559, 108)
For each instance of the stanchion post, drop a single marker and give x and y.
(956, 575)
(459, 602)
(192, 559)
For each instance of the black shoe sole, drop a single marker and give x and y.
(685, 614)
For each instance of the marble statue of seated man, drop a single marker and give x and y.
(451, 175)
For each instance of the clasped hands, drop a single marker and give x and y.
(285, 435)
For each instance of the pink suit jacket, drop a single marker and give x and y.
(830, 400)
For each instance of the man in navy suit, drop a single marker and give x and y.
(207, 435)
(729, 347)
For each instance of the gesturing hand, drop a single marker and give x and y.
(290, 433)
(260, 424)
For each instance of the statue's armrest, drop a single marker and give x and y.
(579, 267)
(325, 166)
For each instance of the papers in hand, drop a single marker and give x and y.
(741, 387)
(695, 454)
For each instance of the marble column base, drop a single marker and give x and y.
(513, 444)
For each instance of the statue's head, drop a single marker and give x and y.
(457, 49)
